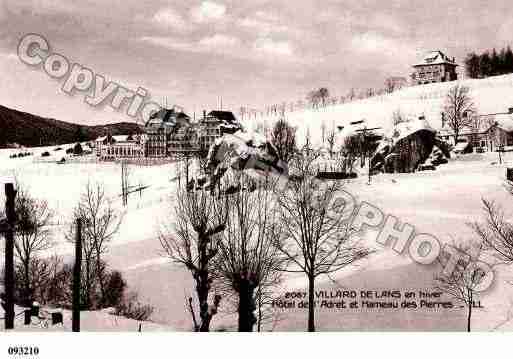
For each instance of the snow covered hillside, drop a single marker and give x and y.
(490, 95)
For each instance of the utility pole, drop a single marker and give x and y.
(10, 195)
(124, 183)
(77, 271)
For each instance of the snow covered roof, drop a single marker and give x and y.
(435, 58)
(357, 127)
(168, 116)
(117, 138)
(245, 151)
(405, 129)
(504, 122)
(225, 116)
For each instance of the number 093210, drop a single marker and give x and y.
(22, 350)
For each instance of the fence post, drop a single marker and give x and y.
(10, 195)
(77, 270)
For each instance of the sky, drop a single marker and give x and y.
(246, 52)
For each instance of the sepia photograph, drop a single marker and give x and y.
(172, 167)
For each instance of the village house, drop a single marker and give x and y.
(434, 67)
(500, 134)
(490, 132)
(405, 147)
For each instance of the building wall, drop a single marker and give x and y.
(155, 144)
(434, 73)
(129, 149)
(190, 137)
(497, 137)
(490, 140)
(209, 132)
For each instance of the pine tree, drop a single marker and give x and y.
(508, 61)
(81, 134)
(485, 65)
(472, 65)
(494, 63)
(502, 55)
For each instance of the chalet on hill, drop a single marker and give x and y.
(434, 67)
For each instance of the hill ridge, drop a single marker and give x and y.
(27, 129)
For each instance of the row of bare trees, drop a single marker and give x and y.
(47, 278)
(320, 98)
(237, 246)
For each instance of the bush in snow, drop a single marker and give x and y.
(130, 307)
(77, 149)
(283, 137)
(115, 289)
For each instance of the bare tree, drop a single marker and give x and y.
(313, 98)
(496, 232)
(248, 262)
(458, 108)
(323, 132)
(331, 138)
(311, 231)
(43, 279)
(242, 112)
(32, 236)
(389, 85)
(324, 95)
(193, 243)
(462, 283)
(100, 222)
(351, 96)
(398, 117)
(283, 137)
(307, 147)
(394, 83)
(352, 148)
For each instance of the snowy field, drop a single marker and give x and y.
(490, 95)
(440, 202)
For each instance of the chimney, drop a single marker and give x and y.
(204, 114)
(510, 110)
(443, 119)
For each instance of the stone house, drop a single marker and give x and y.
(434, 67)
